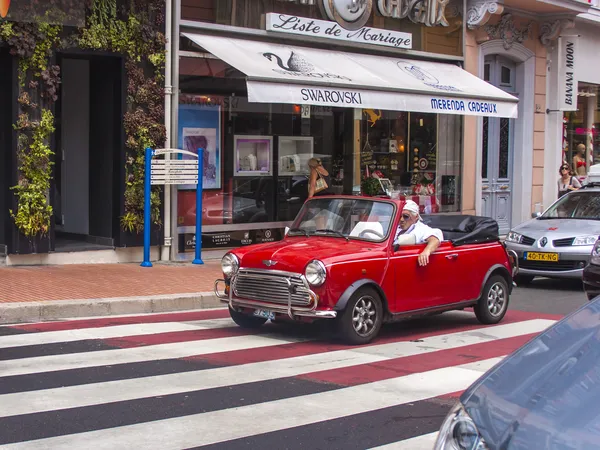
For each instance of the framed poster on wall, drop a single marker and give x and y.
(253, 156)
(200, 127)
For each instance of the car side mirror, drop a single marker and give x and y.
(286, 231)
(396, 247)
(535, 215)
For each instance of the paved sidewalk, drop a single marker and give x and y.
(51, 292)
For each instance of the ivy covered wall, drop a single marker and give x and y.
(131, 28)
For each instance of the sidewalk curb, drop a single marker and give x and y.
(12, 313)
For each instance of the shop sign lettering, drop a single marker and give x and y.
(330, 96)
(567, 73)
(320, 28)
(460, 105)
(353, 14)
(430, 13)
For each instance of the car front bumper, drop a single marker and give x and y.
(591, 281)
(289, 310)
(571, 261)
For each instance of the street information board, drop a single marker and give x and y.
(169, 172)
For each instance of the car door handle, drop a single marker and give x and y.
(452, 256)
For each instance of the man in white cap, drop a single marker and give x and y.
(413, 231)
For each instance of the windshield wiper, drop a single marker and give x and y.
(328, 230)
(293, 230)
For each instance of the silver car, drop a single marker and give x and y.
(558, 243)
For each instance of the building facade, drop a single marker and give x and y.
(264, 86)
(81, 95)
(546, 55)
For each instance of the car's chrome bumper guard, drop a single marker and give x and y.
(291, 311)
(514, 262)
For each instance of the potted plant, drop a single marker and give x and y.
(370, 186)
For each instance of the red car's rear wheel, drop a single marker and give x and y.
(493, 303)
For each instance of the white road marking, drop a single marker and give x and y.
(132, 355)
(53, 337)
(131, 389)
(235, 423)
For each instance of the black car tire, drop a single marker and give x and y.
(246, 321)
(524, 280)
(365, 303)
(493, 303)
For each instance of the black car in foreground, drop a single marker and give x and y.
(591, 273)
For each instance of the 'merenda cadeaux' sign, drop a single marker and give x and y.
(284, 23)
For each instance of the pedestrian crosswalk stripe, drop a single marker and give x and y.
(423, 442)
(122, 390)
(235, 423)
(50, 337)
(132, 355)
(191, 380)
(99, 322)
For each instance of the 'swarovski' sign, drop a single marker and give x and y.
(321, 28)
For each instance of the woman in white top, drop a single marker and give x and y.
(567, 182)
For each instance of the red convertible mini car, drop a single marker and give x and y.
(339, 262)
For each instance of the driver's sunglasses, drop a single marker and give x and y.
(564, 168)
(406, 216)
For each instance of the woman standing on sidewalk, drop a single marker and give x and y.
(567, 182)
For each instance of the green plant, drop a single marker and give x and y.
(137, 36)
(38, 84)
(33, 212)
(370, 186)
(129, 27)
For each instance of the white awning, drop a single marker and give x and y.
(279, 73)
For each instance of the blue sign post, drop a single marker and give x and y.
(168, 172)
(147, 190)
(198, 259)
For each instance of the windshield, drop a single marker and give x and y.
(346, 218)
(576, 205)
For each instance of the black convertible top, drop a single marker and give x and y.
(464, 229)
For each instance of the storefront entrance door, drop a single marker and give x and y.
(497, 147)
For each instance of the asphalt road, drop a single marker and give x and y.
(551, 296)
(190, 380)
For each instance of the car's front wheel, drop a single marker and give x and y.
(493, 303)
(246, 321)
(362, 318)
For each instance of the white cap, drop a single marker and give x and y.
(411, 206)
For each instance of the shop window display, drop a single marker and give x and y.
(581, 139)
(414, 155)
(258, 175)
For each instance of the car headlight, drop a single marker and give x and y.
(514, 237)
(315, 273)
(458, 432)
(230, 264)
(585, 240)
(595, 259)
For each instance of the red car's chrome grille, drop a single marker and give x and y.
(270, 287)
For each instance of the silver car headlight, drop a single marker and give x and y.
(514, 237)
(585, 240)
(315, 273)
(458, 432)
(595, 259)
(230, 264)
